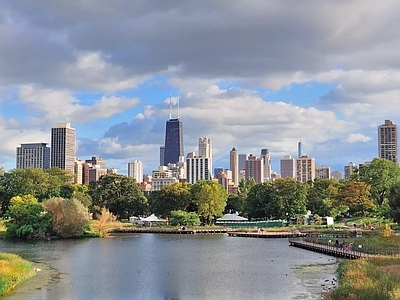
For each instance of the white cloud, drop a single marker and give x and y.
(358, 137)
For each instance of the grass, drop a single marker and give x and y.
(13, 270)
(367, 279)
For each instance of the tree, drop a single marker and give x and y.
(27, 218)
(104, 223)
(356, 196)
(175, 196)
(263, 202)
(69, 216)
(292, 196)
(235, 203)
(394, 201)
(183, 218)
(380, 174)
(120, 194)
(320, 196)
(210, 198)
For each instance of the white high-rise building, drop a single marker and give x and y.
(198, 168)
(63, 142)
(33, 155)
(205, 150)
(305, 169)
(349, 169)
(322, 172)
(388, 141)
(135, 170)
(288, 167)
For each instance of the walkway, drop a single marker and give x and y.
(327, 249)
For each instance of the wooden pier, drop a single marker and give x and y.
(266, 234)
(328, 249)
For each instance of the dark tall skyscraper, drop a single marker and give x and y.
(173, 141)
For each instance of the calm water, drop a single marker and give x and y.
(151, 266)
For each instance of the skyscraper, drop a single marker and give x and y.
(288, 167)
(305, 169)
(205, 150)
(198, 168)
(242, 158)
(254, 169)
(173, 148)
(266, 164)
(349, 169)
(300, 149)
(63, 146)
(135, 170)
(162, 153)
(387, 141)
(234, 166)
(33, 155)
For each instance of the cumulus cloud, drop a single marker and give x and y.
(358, 137)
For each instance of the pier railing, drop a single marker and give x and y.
(329, 243)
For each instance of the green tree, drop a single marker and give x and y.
(120, 194)
(84, 198)
(183, 218)
(176, 196)
(380, 174)
(245, 186)
(210, 198)
(356, 196)
(292, 196)
(394, 201)
(27, 218)
(235, 203)
(263, 202)
(69, 216)
(320, 196)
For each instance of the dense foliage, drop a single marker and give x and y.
(27, 218)
(183, 218)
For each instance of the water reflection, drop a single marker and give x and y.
(149, 266)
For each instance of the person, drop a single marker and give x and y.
(337, 244)
(344, 245)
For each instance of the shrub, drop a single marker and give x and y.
(69, 216)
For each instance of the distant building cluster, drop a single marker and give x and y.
(174, 167)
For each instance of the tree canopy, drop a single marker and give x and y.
(174, 197)
(210, 199)
(120, 194)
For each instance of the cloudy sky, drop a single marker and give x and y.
(250, 74)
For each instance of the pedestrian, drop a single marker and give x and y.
(337, 244)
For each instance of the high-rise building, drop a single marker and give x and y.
(288, 167)
(33, 155)
(242, 158)
(173, 148)
(322, 172)
(300, 149)
(198, 168)
(387, 141)
(305, 169)
(135, 170)
(349, 169)
(96, 161)
(63, 146)
(217, 171)
(337, 175)
(234, 166)
(254, 169)
(205, 150)
(266, 164)
(162, 153)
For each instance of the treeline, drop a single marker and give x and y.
(373, 189)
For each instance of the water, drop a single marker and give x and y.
(162, 266)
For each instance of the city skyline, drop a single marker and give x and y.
(253, 78)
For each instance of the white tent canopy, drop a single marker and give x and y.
(153, 219)
(232, 217)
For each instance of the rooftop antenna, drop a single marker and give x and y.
(170, 117)
(178, 105)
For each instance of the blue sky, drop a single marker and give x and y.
(250, 75)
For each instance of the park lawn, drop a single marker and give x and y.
(13, 270)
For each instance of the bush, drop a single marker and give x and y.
(69, 216)
(27, 218)
(183, 218)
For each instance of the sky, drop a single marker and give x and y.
(249, 74)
